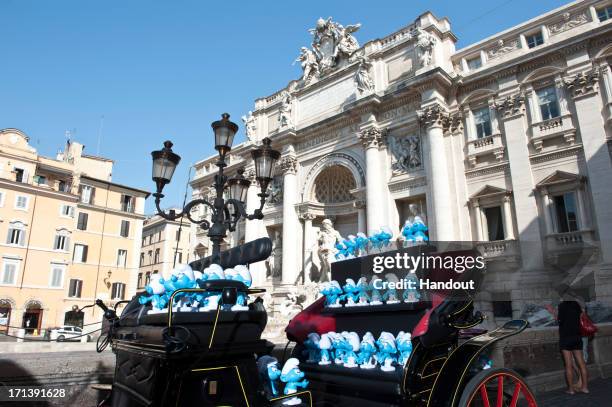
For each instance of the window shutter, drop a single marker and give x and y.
(66, 243)
(22, 238)
(25, 176)
(84, 258)
(8, 236)
(71, 288)
(92, 197)
(79, 287)
(56, 243)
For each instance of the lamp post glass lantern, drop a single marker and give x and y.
(225, 213)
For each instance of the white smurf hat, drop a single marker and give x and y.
(291, 363)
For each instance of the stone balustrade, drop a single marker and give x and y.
(492, 144)
(499, 249)
(560, 243)
(555, 127)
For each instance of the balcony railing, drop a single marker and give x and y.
(499, 249)
(570, 242)
(487, 145)
(555, 127)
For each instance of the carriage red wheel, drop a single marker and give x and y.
(497, 388)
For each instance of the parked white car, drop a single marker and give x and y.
(66, 333)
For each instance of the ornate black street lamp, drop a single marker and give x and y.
(225, 212)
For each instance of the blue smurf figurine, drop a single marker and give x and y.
(385, 236)
(338, 346)
(242, 274)
(411, 293)
(312, 346)
(334, 294)
(367, 351)
(350, 290)
(352, 347)
(325, 346)
(350, 245)
(375, 296)
(292, 376)
(390, 296)
(386, 351)
(362, 292)
(269, 373)
(157, 295)
(404, 347)
(361, 244)
(211, 300)
(341, 251)
(419, 230)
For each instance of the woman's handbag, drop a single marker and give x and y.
(587, 327)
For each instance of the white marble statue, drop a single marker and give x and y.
(362, 76)
(284, 116)
(407, 152)
(425, 43)
(327, 239)
(310, 65)
(332, 42)
(249, 125)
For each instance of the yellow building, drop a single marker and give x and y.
(68, 235)
(163, 246)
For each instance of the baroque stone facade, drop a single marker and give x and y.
(505, 142)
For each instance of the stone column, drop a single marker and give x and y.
(494, 119)
(561, 96)
(478, 219)
(584, 90)
(254, 229)
(309, 242)
(511, 114)
(583, 221)
(361, 215)
(546, 204)
(606, 75)
(371, 138)
(291, 222)
(532, 105)
(508, 224)
(433, 117)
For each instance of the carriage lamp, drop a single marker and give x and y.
(225, 213)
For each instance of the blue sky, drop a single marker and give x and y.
(166, 69)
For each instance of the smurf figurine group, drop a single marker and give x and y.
(414, 232)
(271, 375)
(347, 350)
(362, 293)
(159, 290)
(360, 244)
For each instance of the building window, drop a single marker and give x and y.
(482, 120)
(178, 235)
(495, 223)
(80, 253)
(16, 234)
(9, 271)
(150, 257)
(534, 39)
(1, 199)
(159, 234)
(125, 228)
(549, 105)
(139, 282)
(474, 63)
(21, 202)
(604, 13)
(57, 275)
(62, 186)
(121, 258)
(179, 257)
(62, 240)
(147, 278)
(82, 221)
(67, 211)
(566, 213)
(39, 180)
(87, 193)
(127, 203)
(156, 256)
(20, 175)
(74, 288)
(118, 291)
(141, 259)
(502, 305)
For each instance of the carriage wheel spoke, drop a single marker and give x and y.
(484, 395)
(500, 391)
(515, 394)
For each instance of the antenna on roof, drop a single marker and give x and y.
(67, 134)
(100, 134)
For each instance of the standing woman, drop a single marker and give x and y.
(570, 341)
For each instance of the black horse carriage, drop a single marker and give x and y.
(210, 359)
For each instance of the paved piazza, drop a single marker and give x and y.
(506, 142)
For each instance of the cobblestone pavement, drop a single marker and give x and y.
(600, 396)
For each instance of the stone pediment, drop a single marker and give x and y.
(488, 191)
(559, 177)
